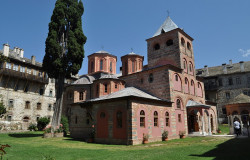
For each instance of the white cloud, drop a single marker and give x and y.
(245, 53)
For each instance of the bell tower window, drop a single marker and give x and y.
(101, 65)
(169, 42)
(157, 46)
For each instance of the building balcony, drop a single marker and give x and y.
(25, 76)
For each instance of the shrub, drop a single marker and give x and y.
(47, 129)
(33, 127)
(59, 129)
(42, 123)
(165, 134)
(2, 109)
(65, 125)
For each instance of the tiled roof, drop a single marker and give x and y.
(102, 51)
(218, 70)
(167, 26)
(126, 92)
(85, 79)
(109, 76)
(241, 98)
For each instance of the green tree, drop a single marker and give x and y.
(64, 48)
(2, 107)
(42, 123)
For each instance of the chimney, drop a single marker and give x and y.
(15, 49)
(206, 70)
(6, 50)
(242, 68)
(21, 53)
(224, 68)
(230, 62)
(33, 60)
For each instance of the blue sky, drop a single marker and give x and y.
(220, 28)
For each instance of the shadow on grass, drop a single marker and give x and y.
(74, 139)
(25, 135)
(237, 148)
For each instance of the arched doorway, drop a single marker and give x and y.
(25, 123)
(193, 118)
(102, 125)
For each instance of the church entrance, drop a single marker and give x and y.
(193, 125)
(102, 127)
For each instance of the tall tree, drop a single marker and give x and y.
(64, 48)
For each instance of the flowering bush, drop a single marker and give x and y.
(59, 129)
(47, 129)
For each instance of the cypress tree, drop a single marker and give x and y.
(64, 50)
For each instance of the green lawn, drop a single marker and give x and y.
(31, 146)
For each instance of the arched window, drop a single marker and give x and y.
(150, 78)
(155, 118)
(185, 65)
(192, 90)
(169, 42)
(26, 119)
(157, 46)
(81, 96)
(182, 42)
(110, 67)
(101, 65)
(105, 88)
(186, 89)
(178, 103)
(126, 67)
(176, 77)
(190, 67)
(142, 118)
(119, 119)
(199, 90)
(27, 105)
(177, 83)
(167, 119)
(188, 46)
(133, 66)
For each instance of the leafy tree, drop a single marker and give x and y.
(64, 48)
(42, 123)
(65, 123)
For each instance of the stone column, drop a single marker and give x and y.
(203, 125)
(209, 126)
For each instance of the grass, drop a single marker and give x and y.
(31, 146)
(224, 128)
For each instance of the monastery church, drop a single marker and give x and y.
(166, 94)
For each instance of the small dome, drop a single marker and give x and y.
(109, 76)
(102, 51)
(85, 80)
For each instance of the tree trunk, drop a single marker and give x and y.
(59, 101)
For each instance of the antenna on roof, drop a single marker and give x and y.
(168, 13)
(132, 50)
(102, 47)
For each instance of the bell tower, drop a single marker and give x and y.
(170, 45)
